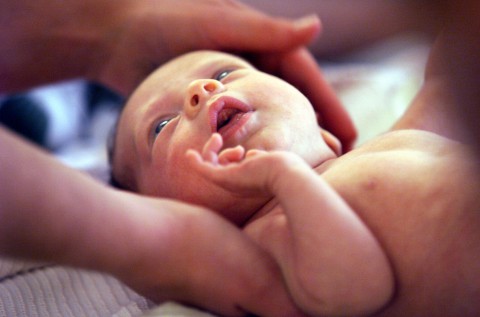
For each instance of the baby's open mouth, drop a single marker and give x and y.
(227, 116)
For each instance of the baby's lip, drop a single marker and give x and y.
(222, 109)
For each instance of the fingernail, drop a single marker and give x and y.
(306, 21)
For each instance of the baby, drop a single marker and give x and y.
(388, 229)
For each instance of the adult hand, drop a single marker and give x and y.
(157, 31)
(119, 42)
(189, 254)
(164, 29)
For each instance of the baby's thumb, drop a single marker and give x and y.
(231, 155)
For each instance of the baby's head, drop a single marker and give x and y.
(182, 103)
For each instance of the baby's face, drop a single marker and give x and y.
(180, 105)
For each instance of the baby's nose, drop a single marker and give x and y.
(199, 91)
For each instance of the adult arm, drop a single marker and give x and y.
(447, 103)
(166, 250)
(451, 68)
(332, 262)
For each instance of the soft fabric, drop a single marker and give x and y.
(41, 290)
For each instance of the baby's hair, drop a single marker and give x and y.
(112, 181)
(112, 135)
(111, 141)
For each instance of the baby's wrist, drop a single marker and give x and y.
(284, 169)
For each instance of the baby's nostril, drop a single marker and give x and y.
(210, 87)
(194, 100)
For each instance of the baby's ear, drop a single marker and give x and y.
(333, 143)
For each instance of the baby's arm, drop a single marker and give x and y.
(330, 259)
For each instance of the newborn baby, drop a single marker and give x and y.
(388, 229)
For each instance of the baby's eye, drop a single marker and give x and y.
(161, 125)
(224, 73)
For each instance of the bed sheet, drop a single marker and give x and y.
(375, 87)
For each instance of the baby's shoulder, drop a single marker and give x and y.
(418, 141)
(407, 146)
(401, 160)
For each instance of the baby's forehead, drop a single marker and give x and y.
(205, 57)
(197, 63)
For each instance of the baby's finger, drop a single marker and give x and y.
(230, 155)
(203, 167)
(194, 156)
(212, 147)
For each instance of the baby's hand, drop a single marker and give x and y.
(233, 168)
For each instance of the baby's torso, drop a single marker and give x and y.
(418, 194)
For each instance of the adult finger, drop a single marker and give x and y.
(159, 31)
(254, 31)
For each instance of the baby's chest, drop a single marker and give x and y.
(381, 184)
(404, 198)
(414, 203)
